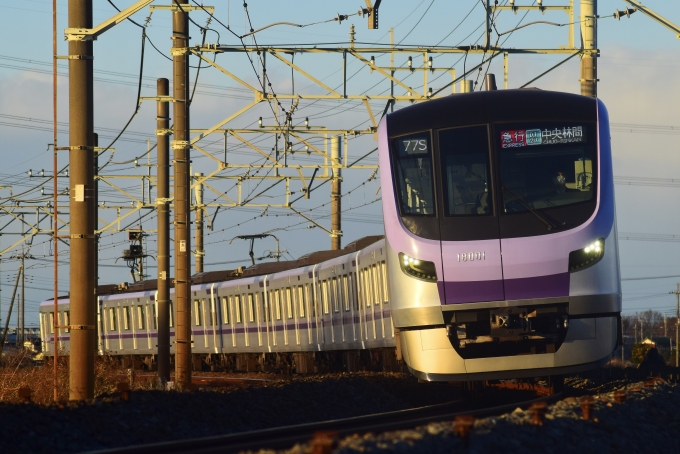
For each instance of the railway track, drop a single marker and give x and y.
(287, 436)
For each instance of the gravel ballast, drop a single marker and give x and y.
(647, 422)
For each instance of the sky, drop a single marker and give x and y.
(638, 58)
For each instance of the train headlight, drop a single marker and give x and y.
(420, 269)
(588, 256)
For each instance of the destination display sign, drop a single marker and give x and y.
(528, 137)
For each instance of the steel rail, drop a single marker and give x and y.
(286, 436)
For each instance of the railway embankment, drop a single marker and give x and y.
(623, 416)
(646, 419)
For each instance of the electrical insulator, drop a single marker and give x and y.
(260, 122)
(42, 173)
(429, 92)
(373, 60)
(410, 62)
(307, 122)
(307, 149)
(429, 63)
(30, 172)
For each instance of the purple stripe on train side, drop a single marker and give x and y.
(464, 292)
(554, 285)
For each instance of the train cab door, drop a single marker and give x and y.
(468, 217)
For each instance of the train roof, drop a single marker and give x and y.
(482, 107)
(260, 269)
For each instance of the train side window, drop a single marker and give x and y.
(126, 317)
(376, 284)
(301, 301)
(67, 321)
(277, 304)
(334, 294)
(353, 290)
(365, 291)
(383, 269)
(225, 310)
(141, 318)
(289, 303)
(51, 322)
(324, 296)
(309, 300)
(237, 309)
(346, 293)
(265, 307)
(155, 316)
(251, 308)
(197, 313)
(171, 313)
(112, 319)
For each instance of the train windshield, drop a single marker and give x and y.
(413, 164)
(546, 165)
(465, 169)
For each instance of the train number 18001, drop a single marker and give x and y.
(471, 256)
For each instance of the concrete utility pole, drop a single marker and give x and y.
(336, 194)
(11, 305)
(589, 41)
(95, 225)
(81, 153)
(180, 43)
(200, 252)
(163, 172)
(677, 323)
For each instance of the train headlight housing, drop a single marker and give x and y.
(588, 256)
(420, 269)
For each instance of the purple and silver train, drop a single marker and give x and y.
(502, 254)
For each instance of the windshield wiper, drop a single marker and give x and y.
(550, 224)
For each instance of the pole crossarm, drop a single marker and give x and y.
(307, 75)
(91, 34)
(655, 16)
(312, 221)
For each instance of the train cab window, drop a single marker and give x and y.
(141, 317)
(465, 167)
(412, 161)
(545, 165)
(197, 313)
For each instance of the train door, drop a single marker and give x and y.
(468, 221)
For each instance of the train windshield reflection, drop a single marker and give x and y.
(547, 165)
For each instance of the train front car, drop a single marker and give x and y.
(501, 234)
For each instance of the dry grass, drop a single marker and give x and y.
(18, 370)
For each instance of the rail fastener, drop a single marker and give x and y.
(620, 396)
(324, 442)
(462, 426)
(587, 404)
(537, 412)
